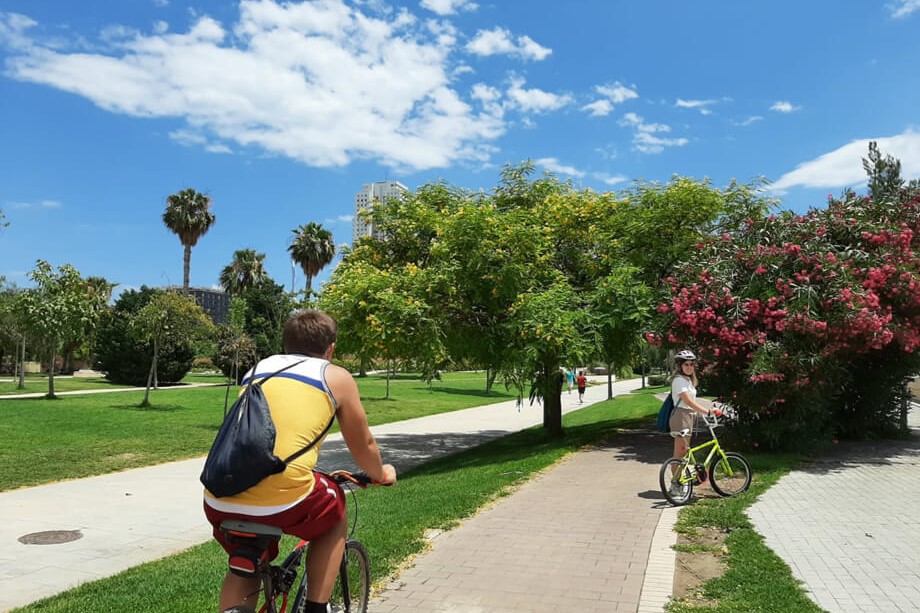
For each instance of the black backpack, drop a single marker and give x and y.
(243, 453)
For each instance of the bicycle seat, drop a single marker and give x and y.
(251, 542)
(682, 433)
(250, 529)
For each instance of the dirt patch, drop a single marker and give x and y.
(703, 562)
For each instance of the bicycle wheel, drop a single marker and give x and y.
(353, 589)
(731, 475)
(676, 481)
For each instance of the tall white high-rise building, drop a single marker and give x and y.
(370, 193)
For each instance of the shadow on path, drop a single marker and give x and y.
(848, 454)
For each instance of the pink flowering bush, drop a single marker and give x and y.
(809, 324)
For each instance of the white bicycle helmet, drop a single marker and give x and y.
(684, 356)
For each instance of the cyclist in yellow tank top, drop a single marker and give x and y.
(302, 400)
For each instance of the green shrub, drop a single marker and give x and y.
(127, 360)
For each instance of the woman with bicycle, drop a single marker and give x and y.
(683, 393)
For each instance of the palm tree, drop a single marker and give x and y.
(312, 248)
(246, 269)
(189, 217)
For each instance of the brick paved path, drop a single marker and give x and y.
(576, 538)
(848, 525)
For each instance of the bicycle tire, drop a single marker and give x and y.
(681, 493)
(354, 579)
(353, 589)
(731, 475)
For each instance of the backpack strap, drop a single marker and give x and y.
(277, 372)
(312, 444)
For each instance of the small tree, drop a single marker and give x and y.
(167, 315)
(58, 310)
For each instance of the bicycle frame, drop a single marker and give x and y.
(690, 456)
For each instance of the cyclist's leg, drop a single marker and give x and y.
(322, 522)
(323, 560)
(239, 591)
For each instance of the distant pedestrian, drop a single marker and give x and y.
(582, 382)
(570, 379)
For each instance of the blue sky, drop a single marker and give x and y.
(280, 111)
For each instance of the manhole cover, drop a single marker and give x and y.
(51, 537)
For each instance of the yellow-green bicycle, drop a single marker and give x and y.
(728, 472)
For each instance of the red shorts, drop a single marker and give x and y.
(313, 517)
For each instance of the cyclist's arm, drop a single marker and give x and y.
(353, 423)
(688, 401)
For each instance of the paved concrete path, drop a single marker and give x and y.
(139, 515)
(848, 526)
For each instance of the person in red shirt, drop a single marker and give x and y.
(582, 382)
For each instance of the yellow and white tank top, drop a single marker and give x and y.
(301, 406)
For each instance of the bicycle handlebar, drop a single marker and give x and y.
(359, 479)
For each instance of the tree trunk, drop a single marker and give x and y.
(150, 376)
(609, 381)
(51, 374)
(22, 365)
(491, 374)
(186, 266)
(362, 368)
(552, 400)
(388, 380)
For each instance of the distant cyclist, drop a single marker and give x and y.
(299, 501)
(683, 392)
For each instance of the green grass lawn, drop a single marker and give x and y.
(85, 435)
(392, 521)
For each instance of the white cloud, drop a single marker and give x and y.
(693, 104)
(599, 108)
(41, 204)
(782, 106)
(554, 165)
(700, 105)
(608, 179)
(217, 148)
(317, 81)
(500, 41)
(161, 3)
(13, 30)
(160, 27)
(644, 135)
(750, 120)
(903, 8)
(535, 100)
(613, 94)
(448, 7)
(843, 166)
(617, 93)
